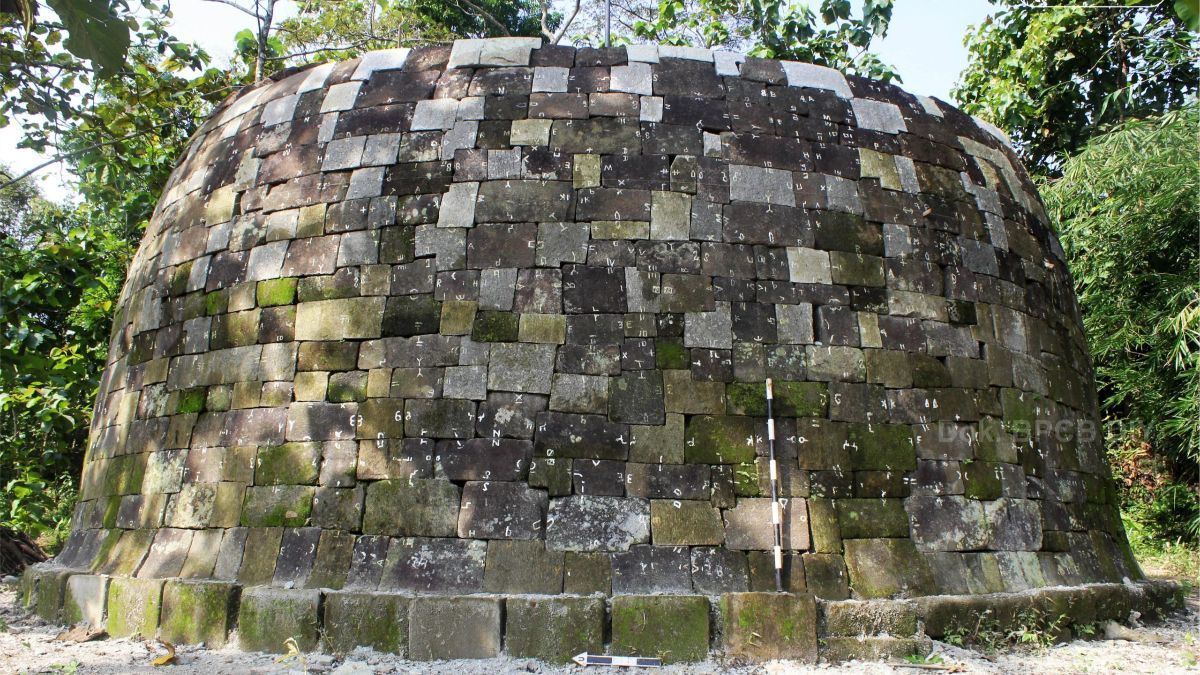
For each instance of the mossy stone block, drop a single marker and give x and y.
(191, 401)
(454, 627)
(420, 507)
(823, 522)
(274, 292)
(685, 523)
(982, 480)
(458, 317)
(670, 354)
(746, 480)
(522, 566)
(134, 606)
(27, 589)
(195, 612)
(277, 506)
(49, 593)
(587, 573)
(870, 518)
(942, 614)
(260, 555)
(496, 327)
(554, 629)
(721, 439)
(769, 626)
(375, 620)
(269, 616)
(791, 399)
(543, 328)
(881, 447)
(1021, 410)
(552, 474)
(671, 627)
(347, 387)
(881, 568)
(854, 618)
(825, 575)
(216, 302)
(85, 598)
(288, 464)
(877, 648)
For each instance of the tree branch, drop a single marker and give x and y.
(557, 35)
(249, 12)
(486, 15)
(99, 144)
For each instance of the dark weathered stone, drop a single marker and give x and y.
(434, 565)
(651, 569)
(587, 523)
(499, 510)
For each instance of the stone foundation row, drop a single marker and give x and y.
(738, 627)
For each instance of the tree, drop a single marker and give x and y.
(1055, 75)
(124, 150)
(60, 277)
(47, 87)
(341, 29)
(1127, 210)
(334, 30)
(833, 36)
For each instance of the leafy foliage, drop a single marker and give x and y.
(331, 30)
(341, 29)
(61, 268)
(831, 36)
(60, 278)
(1128, 218)
(463, 18)
(124, 150)
(1053, 75)
(93, 32)
(49, 89)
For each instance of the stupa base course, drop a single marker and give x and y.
(734, 627)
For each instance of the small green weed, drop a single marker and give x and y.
(1033, 630)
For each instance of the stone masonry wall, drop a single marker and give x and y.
(495, 317)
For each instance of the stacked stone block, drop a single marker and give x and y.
(496, 316)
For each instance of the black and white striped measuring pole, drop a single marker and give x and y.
(776, 507)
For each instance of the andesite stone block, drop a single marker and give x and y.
(352, 619)
(200, 611)
(770, 626)
(554, 629)
(267, 617)
(134, 607)
(86, 596)
(454, 627)
(671, 627)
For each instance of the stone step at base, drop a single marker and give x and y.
(734, 627)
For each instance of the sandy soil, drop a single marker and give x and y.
(28, 645)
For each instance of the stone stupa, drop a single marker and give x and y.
(461, 349)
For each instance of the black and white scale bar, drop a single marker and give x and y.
(586, 659)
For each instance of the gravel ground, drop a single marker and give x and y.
(28, 645)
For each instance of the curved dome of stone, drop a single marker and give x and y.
(497, 317)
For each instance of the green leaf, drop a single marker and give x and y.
(94, 33)
(1189, 11)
